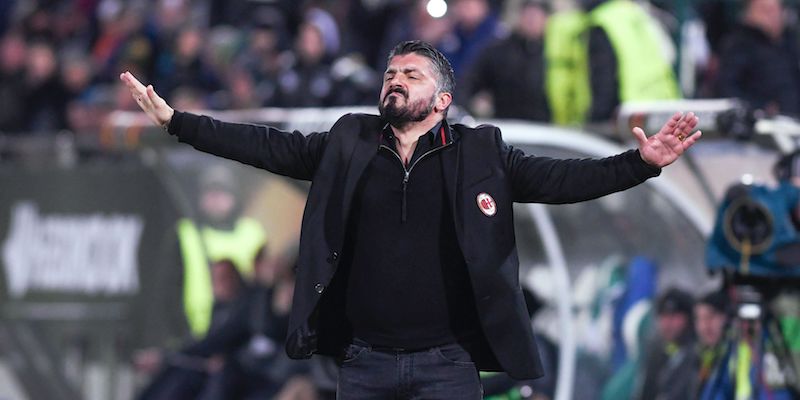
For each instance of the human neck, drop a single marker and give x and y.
(408, 135)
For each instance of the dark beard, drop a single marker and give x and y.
(399, 117)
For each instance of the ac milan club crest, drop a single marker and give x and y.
(486, 204)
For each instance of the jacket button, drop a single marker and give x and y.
(319, 288)
(333, 257)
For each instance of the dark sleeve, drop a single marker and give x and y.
(285, 153)
(558, 181)
(603, 76)
(232, 333)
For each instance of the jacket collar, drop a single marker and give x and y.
(440, 135)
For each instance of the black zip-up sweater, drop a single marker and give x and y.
(408, 285)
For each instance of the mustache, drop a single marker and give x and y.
(396, 90)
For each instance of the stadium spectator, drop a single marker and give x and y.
(251, 339)
(45, 95)
(318, 76)
(121, 40)
(669, 368)
(77, 76)
(186, 65)
(219, 232)
(517, 90)
(626, 60)
(185, 374)
(759, 61)
(606, 53)
(711, 317)
(475, 25)
(368, 24)
(263, 57)
(13, 55)
(307, 82)
(684, 24)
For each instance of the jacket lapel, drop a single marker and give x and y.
(451, 165)
(364, 149)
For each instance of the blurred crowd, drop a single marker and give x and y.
(61, 58)
(707, 347)
(684, 347)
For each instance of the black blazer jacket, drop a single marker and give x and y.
(476, 161)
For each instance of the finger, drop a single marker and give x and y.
(151, 93)
(672, 122)
(130, 85)
(685, 130)
(134, 81)
(640, 135)
(142, 101)
(675, 118)
(686, 118)
(136, 87)
(689, 122)
(680, 130)
(692, 123)
(154, 98)
(129, 80)
(692, 139)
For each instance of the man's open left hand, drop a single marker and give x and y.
(670, 142)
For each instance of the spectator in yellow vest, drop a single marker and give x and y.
(606, 53)
(219, 232)
(626, 57)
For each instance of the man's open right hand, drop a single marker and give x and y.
(151, 103)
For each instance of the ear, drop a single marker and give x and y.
(443, 101)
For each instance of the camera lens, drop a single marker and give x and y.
(748, 221)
